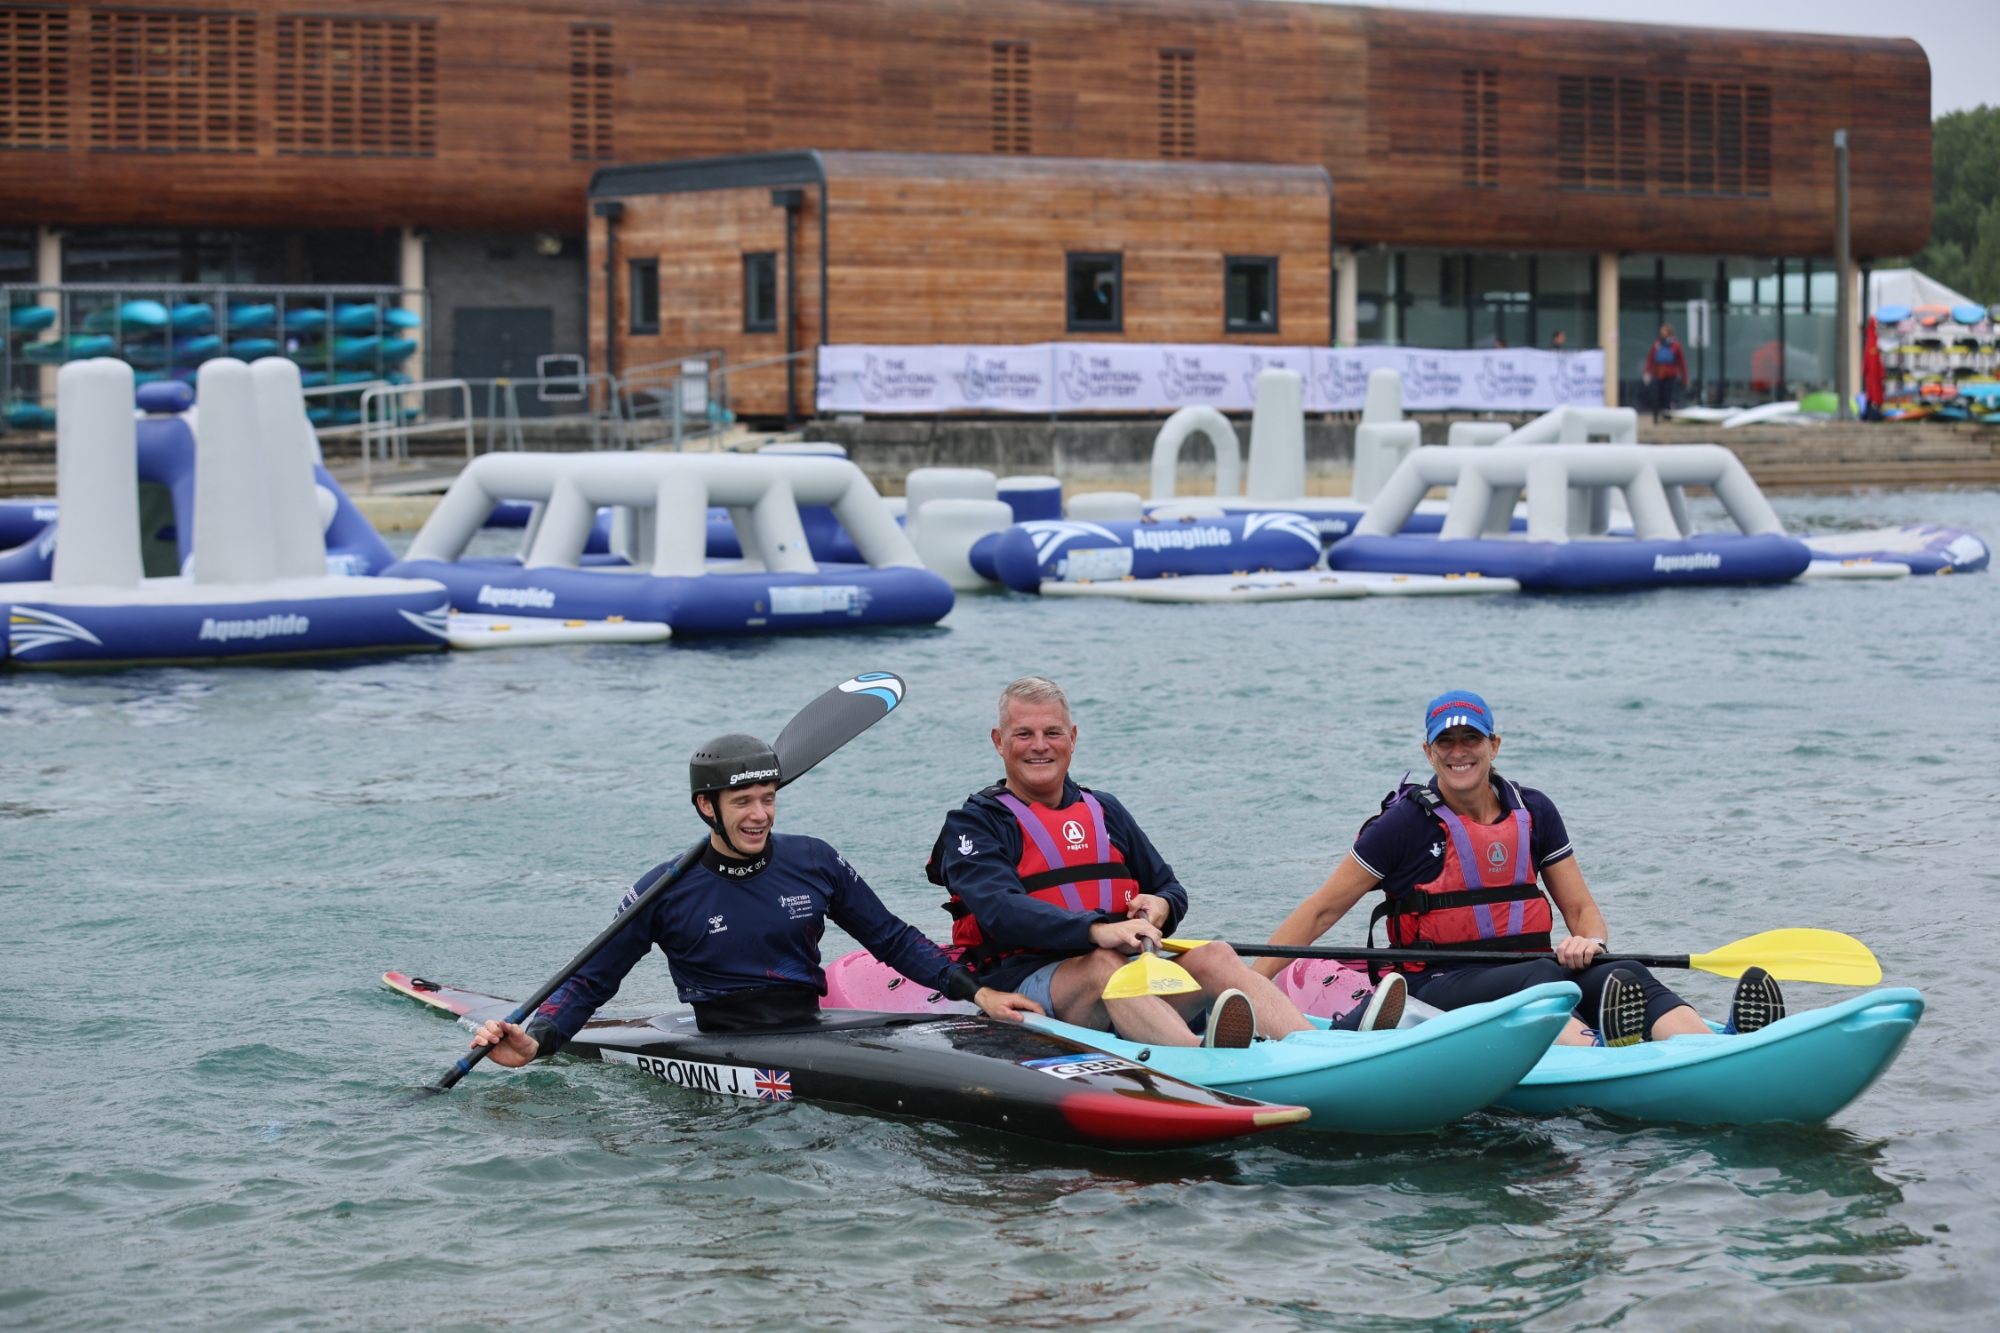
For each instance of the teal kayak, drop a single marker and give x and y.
(1402, 1082)
(1801, 1068)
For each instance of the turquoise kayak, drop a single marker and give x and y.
(1402, 1082)
(1801, 1068)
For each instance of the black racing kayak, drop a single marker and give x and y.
(966, 1068)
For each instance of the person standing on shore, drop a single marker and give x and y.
(1666, 367)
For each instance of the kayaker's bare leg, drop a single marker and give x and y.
(1680, 1022)
(1077, 990)
(1574, 1033)
(1218, 968)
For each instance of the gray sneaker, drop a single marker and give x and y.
(1621, 1012)
(1232, 1022)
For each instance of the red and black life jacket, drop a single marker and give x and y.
(1485, 896)
(1067, 858)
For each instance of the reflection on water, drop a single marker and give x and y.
(204, 872)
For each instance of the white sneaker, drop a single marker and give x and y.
(1385, 1006)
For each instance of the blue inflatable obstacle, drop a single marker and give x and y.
(1568, 544)
(1076, 551)
(657, 565)
(1922, 548)
(223, 543)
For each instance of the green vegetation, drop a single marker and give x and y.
(1964, 249)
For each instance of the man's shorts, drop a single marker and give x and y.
(1036, 987)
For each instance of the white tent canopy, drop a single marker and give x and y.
(1906, 286)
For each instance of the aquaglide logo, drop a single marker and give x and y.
(1189, 538)
(537, 597)
(263, 627)
(1671, 564)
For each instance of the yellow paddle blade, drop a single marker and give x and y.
(1796, 955)
(1181, 946)
(1149, 974)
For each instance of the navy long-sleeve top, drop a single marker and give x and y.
(729, 929)
(977, 854)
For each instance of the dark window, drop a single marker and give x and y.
(590, 92)
(172, 82)
(1176, 103)
(1250, 295)
(1601, 134)
(645, 296)
(1010, 98)
(1096, 301)
(760, 292)
(34, 78)
(1479, 121)
(1715, 138)
(356, 86)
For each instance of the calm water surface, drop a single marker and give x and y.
(203, 873)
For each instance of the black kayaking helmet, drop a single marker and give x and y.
(723, 764)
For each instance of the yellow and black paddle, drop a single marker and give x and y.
(1150, 974)
(1797, 954)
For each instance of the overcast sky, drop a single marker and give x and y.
(1962, 37)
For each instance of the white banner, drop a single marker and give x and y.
(1160, 377)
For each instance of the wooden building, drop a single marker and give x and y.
(431, 124)
(760, 255)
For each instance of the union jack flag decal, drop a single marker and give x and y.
(773, 1085)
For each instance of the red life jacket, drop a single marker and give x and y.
(1067, 859)
(1484, 898)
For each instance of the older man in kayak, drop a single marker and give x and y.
(1054, 887)
(741, 930)
(1457, 861)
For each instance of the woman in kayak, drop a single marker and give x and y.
(741, 930)
(1457, 860)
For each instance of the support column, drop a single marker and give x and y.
(1845, 344)
(48, 273)
(1346, 295)
(1607, 323)
(415, 297)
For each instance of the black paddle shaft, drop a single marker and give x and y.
(683, 863)
(1669, 960)
(816, 731)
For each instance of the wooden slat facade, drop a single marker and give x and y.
(931, 248)
(491, 115)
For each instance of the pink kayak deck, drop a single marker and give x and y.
(1319, 987)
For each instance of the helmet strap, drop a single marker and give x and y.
(715, 823)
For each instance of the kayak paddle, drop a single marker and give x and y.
(1796, 954)
(820, 728)
(1150, 974)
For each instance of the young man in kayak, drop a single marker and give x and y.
(741, 930)
(1457, 861)
(1054, 887)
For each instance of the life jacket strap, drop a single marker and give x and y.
(1049, 879)
(1402, 905)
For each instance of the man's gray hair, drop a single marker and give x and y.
(1033, 690)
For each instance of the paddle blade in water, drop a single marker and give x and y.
(1796, 955)
(834, 719)
(1149, 974)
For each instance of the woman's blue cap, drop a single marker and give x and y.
(1459, 708)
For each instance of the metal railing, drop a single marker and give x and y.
(391, 437)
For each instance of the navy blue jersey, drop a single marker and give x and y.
(725, 936)
(977, 855)
(1405, 844)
